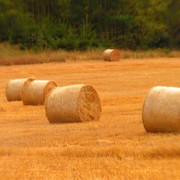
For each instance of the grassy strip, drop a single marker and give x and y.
(12, 55)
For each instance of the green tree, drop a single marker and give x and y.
(82, 24)
(174, 23)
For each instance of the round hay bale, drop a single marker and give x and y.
(14, 87)
(111, 55)
(76, 103)
(161, 110)
(34, 92)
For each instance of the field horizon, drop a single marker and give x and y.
(13, 55)
(115, 147)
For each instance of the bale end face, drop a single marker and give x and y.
(49, 87)
(89, 104)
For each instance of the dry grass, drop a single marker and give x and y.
(116, 147)
(12, 55)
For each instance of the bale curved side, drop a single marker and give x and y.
(35, 92)
(161, 110)
(76, 103)
(111, 55)
(14, 87)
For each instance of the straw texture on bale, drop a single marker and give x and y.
(111, 55)
(14, 87)
(34, 92)
(161, 110)
(76, 103)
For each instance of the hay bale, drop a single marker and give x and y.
(76, 103)
(34, 92)
(14, 87)
(111, 55)
(161, 110)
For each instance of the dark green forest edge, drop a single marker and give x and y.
(84, 24)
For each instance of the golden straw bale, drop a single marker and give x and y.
(34, 92)
(14, 87)
(161, 110)
(75, 103)
(111, 55)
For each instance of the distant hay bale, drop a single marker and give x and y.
(111, 55)
(14, 87)
(76, 103)
(161, 110)
(34, 92)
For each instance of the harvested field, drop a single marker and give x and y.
(115, 147)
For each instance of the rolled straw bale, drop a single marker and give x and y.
(75, 103)
(14, 87)
(161, 110)
(111, 55)
(34, 92)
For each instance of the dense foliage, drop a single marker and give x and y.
(81, 24)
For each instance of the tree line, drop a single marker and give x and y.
(82, 24)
